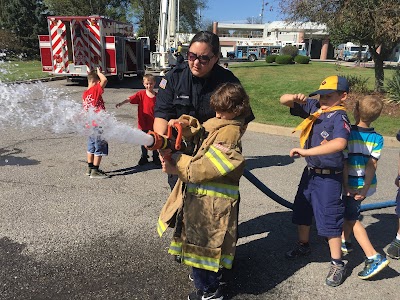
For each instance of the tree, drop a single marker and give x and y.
(114, 9)
(24, 19)
(374, 23)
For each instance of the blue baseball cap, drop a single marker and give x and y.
(332, 84)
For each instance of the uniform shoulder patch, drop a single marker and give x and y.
(221, 147)
(163, 83)
(346, 118)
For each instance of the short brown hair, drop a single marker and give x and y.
(369, 108)
(149, 77)
(230, 97)
(92, 76)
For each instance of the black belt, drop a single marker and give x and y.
(324, 171)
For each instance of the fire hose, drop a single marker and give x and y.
(161, 142)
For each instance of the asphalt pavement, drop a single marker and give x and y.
(66, 236)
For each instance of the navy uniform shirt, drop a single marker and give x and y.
(182, 93)
(328, 126)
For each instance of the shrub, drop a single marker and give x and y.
(393, 87)
(302, 59)
(289, 50)
(270, 58)
(284, 59)
(357, 84)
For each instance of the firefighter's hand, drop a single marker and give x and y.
(169, 167)
(184, 123)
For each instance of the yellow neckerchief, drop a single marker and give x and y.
(307, 124)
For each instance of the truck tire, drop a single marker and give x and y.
(120, 76)
(252, 57)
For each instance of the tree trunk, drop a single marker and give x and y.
(379, 74)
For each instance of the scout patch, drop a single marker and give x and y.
(163, 83)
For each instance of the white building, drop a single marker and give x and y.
(313, 35)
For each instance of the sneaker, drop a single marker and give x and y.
(373, 267)
(336, 275)
(346, 247)
(99, 174)
(200, 295)
(297, 251)
(394, 249)
(143, 160)
(88, 171)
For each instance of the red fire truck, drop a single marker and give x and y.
(77, 45)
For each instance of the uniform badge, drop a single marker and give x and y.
(331, 114)
(324, 135)
(163, 83)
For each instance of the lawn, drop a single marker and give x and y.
(21, 70)
(265, 83)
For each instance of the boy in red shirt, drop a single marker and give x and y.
(146, 100)
(97, 147)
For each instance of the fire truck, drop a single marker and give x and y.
(76, 45)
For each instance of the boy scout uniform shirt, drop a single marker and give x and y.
(180, 92)
(328, 126)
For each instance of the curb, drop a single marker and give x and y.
(45, 79)
(390, 142)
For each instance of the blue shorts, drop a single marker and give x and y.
(96, 145)
(398, 203)
(352, 208)
(320, 196)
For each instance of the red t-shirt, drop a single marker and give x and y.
(145, 109)
(92, 98)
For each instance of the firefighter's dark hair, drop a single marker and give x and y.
(230, 97)
(207, 37)
(92, 76)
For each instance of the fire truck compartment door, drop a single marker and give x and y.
(45, 53)
(111, 55)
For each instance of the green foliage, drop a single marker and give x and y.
(114, 9)
(393, 87)
(357, 83)
(24, 19)
(270, 58)
(289, 50)
(301, 59)
(284, 59)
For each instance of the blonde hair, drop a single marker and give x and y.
(92, 76)
(369, 108)
(149, 77)
(230, 97)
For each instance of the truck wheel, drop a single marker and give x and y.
(252, 57)
(120, 76)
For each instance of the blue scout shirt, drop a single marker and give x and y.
(182, 93)
(327, 127)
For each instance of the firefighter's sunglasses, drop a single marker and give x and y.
(203, 59)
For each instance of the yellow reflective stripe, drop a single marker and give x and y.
(226, 261)
(214, 190)
(160, 227)
(219, 160)
(175, 248)
(201, 262)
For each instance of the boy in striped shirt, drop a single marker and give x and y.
(359, 180)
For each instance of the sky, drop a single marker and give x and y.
(238, 11)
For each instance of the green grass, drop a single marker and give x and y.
(21, 70)
(265, 83)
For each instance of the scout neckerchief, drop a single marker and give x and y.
(307, 124)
